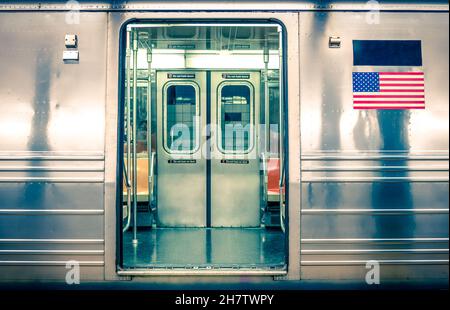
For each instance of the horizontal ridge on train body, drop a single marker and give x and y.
(274, 6)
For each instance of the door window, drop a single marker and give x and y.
(235, 118)
(180, 122)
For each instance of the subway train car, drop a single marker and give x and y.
(214, 141)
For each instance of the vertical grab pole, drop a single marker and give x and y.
(265, 153)
(281, 133)
(135, 53)
(149, 122)
(266, 95)
(128, 109)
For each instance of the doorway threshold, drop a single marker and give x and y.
(212, 271)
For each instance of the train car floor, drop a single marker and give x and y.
(205, 248)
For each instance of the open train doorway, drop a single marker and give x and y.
(203, 154)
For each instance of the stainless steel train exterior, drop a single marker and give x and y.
(361, 185)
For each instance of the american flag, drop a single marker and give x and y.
(388, 90)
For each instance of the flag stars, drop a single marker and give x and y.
(366, 82)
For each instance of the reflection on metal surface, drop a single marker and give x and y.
(50, 179)
(376, 211)
(377, 168)
(47, 263)
(382, 262)
(375, 155)
(373, 251)
(52, 146)
(81, 241)
(375, 179)
(48, 212)
(372, 240)
(52, 169)
(48, 156)
(41, 103)
(374, 183)
(53, 252)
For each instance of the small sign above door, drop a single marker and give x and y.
(236, 76)
(235, 161)
(182, 161)
(181, 46)
(180, 75)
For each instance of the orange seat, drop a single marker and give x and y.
(142, 177)
(273, 174)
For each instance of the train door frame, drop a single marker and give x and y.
(113, 247)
